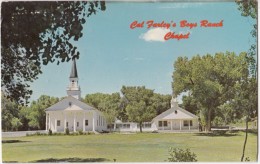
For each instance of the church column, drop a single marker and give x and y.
(55, 125)
(189, 124)
(46, 122)
(74, 123)
(93, 124)
(180, 124)
(84, 126)
(65, 121)
(171, 124)
(49, 121)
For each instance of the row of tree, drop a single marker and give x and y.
(219, 91)
(137, 104)
(17, 117)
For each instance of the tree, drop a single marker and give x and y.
(36, 33)
(139, 107)
(95, 99)
(161, 102)
(249, 9)
(245, 100)
(9, 112)
(16, 123)
(190, 104)
(209, 79)
(226, 113)
(110, 107)
(23, 115)
(109, 104)
(36, 111)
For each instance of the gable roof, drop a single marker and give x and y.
(70, 103)
(170, 114)
(74, 72)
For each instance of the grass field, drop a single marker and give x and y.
(146, 147)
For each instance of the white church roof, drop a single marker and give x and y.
(175, 113)
(70, 103)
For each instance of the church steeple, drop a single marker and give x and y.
(74, 89)
(74, 73)
(174, 102)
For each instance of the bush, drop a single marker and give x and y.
(220, 132)
(50, 132)
(37, 133)
(80, 132)
(67, 131)
(180, 155)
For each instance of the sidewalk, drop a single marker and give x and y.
(21, 133)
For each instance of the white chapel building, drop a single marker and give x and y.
(176, 119)
(72, 113)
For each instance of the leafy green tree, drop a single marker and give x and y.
(246, 101)
(36, 111)
(190, 104)
(9, 113)
(226, 113)
(249, 8)
(109, 104)
(161, 102)
(139, 107)
(16, 123)
(110, 107)
(95, 99)
(23, 115)
(209, 79)
(122, 109)
(36, 33)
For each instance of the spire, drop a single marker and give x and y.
(174, 102)
(73, 88)
(74, 73)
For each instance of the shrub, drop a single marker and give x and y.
(37, 133)
(180, 155)
(50, 132)
(220, 132)
(80, 132)
(67, 131)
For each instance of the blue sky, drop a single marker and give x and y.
(112, 54)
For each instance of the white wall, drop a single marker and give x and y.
(99, 123)
(176, 125)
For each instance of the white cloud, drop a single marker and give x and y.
(155, 34)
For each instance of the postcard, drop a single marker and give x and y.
(129, 81)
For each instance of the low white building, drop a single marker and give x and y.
(72, 113)
(176, 119)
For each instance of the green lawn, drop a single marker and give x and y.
(146, 147)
